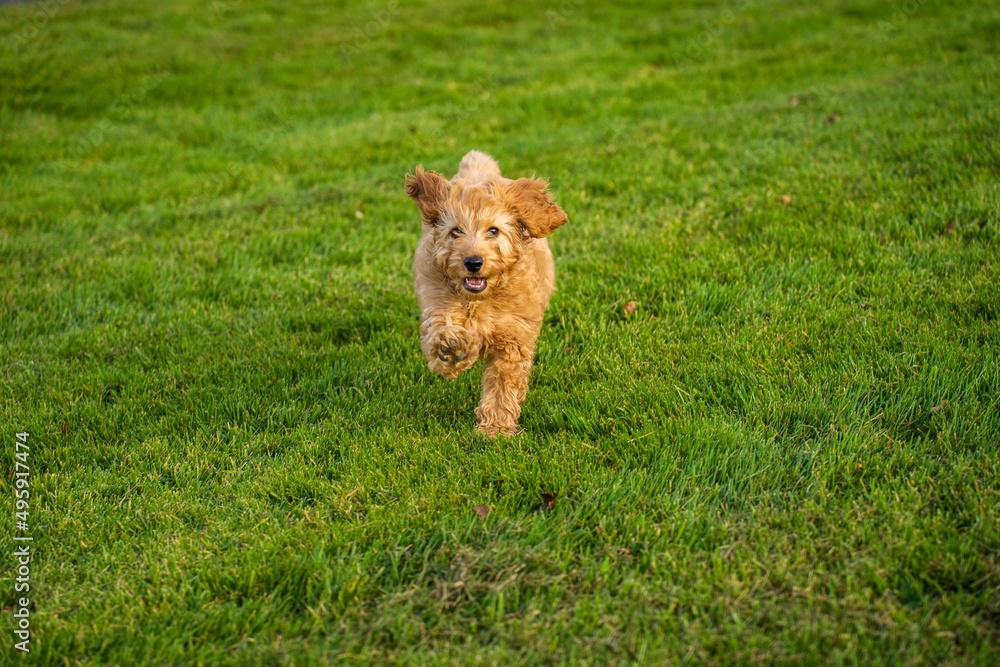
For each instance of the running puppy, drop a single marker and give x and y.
(483, 276)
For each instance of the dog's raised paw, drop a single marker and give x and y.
(450, 351)
(456, 350)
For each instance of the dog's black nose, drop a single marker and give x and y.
(473, 264)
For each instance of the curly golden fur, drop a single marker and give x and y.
(483, 276)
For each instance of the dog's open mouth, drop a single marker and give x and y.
(475, 284)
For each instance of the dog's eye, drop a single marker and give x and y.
(494, 231)
(455, 233)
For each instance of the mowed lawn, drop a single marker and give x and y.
(763, 420)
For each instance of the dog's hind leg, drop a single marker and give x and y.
(505, 385)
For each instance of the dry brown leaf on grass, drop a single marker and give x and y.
(548, 501)
(631, 307)
(481, 511)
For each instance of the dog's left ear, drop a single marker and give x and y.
(430, 190)
(534, 206)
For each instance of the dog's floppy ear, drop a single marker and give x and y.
(430, 190)
(534, 206)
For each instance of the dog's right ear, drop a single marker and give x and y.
(430, 190)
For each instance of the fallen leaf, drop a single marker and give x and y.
(549, 500)
(630, 307)
(832, 118)
(945, 405)
(481, 511)
(785, 199)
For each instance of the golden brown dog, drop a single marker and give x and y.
(483, 275)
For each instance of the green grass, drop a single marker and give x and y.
(787, 454)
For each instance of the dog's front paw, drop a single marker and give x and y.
(453, 350)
